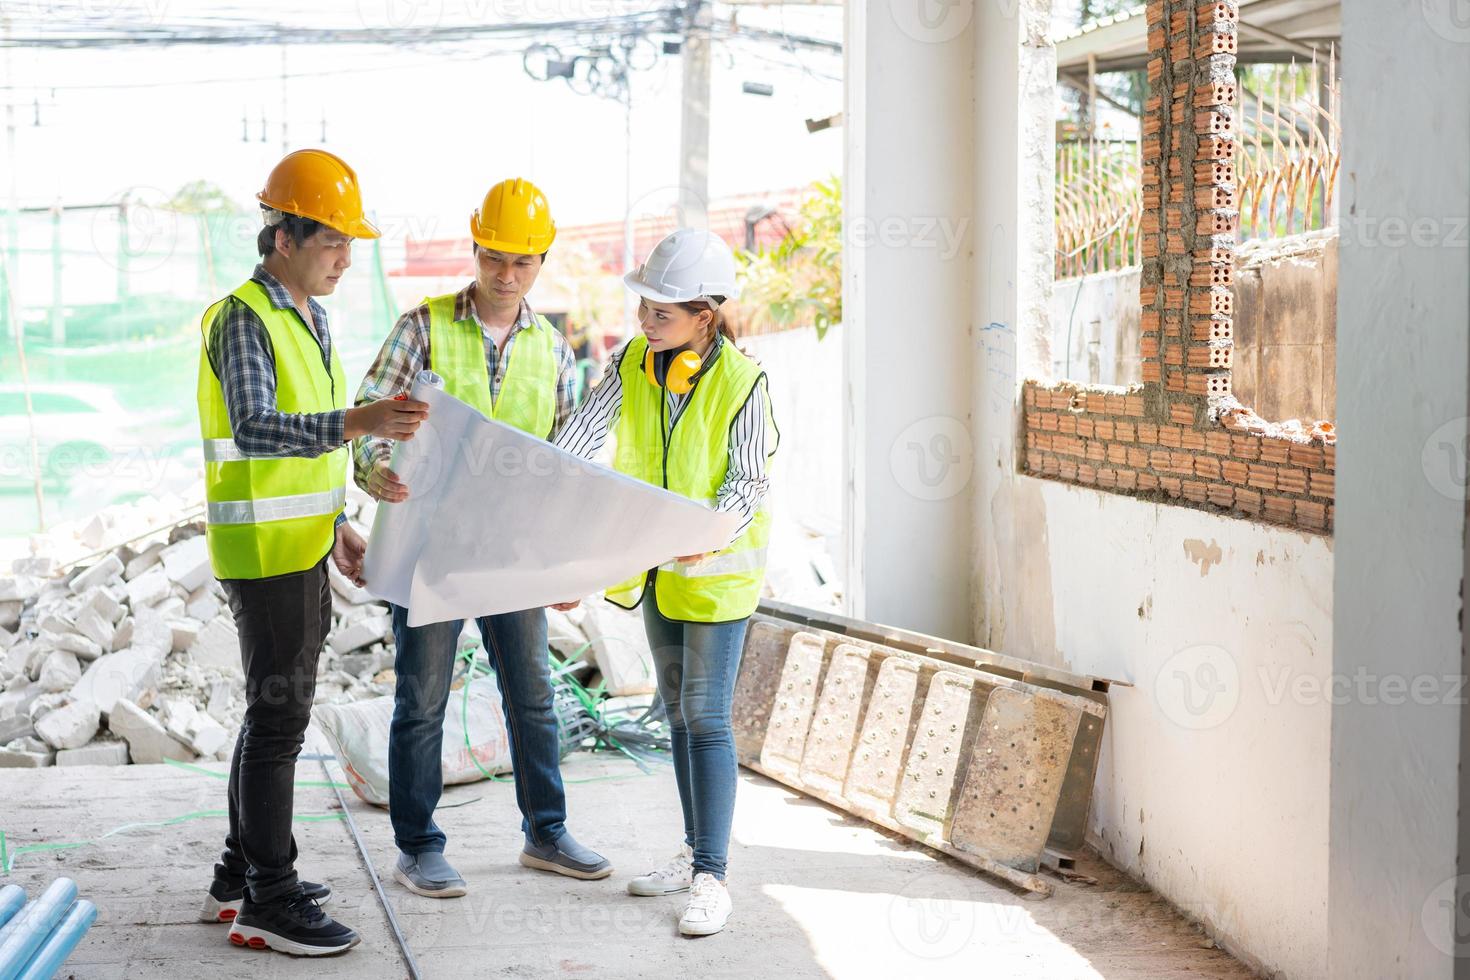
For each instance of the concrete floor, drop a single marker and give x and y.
(816, 893)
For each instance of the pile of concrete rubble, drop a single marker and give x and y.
(131, 654)
(122, 653)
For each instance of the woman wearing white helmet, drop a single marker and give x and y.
(691, 413)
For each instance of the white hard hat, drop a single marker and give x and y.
(687, 265)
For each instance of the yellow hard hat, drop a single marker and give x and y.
(514, 218)
(318, 185)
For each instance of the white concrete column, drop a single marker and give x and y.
(1395, 906)
(909, 124)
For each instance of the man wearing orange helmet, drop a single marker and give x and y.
(273, 417)
(497, 355)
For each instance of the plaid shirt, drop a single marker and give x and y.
(242, 357)
(406, 352)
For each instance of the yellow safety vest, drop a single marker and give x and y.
(527, 398)
(693, 461)
(270, 515)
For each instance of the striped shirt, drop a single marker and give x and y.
(746, 483)
(406, 352)
(241, 354)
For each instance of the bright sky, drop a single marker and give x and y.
(428, 129)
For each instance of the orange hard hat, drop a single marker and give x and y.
(318, 185)
(514, 217)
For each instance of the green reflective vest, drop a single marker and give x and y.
(270, 515)
(527, 398)
(693, 461)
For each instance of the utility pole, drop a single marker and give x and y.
(11, 273)
(694, 124)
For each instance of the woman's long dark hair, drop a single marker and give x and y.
(720, 326)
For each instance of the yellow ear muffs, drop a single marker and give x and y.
(677, 374)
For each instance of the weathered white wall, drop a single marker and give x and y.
(909, 167)
(1402, 360)
(1213, 784)
(1224, 814)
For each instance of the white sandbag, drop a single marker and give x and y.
(358, 733)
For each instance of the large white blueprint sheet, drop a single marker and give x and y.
(497, 520)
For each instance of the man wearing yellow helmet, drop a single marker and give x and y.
(273, 417)
(497, 355)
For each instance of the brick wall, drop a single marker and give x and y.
(1181, 435)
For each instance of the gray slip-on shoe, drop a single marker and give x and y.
(428, 874)
(566, 857)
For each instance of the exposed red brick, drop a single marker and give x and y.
(1169, 435)
(1323, 484)
(1222, 494)
(1207, 467)
(1262, 477)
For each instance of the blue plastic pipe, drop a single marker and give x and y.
(30, 929)
(12, 898)
(59, 944)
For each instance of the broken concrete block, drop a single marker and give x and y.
(10, 613)
(95, 754)
(149, 588)
(7, 638)
(354, 594)
(18, 587)
(92, 625)
(56, 620)
(187, 562)
(151, 633)
(99, 574)
(59, 671)
(221, 693)
(207, 736)
(202, 605)
(20, 758)
(620, 648)
(38, 567)
(171, 607)
(47, 702)
(122, 637)
(70, 726)
(364, 632)
(185, 632)
(105, 603)
(147, 740)
(178, 717)
(218, 646)
(94, 532)
(125, 675)
(144, 561)
(74, 642)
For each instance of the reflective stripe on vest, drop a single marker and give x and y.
(270, 515)
(527, 398)
(327, 502)
(726, 585)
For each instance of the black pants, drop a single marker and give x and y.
(282, 622)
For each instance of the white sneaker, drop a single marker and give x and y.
(708, 909)
(675, 876)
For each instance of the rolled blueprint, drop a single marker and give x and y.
(497, 520)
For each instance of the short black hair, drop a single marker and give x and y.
(299, 228)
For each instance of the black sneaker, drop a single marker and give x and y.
(223, 901)
(298, 927)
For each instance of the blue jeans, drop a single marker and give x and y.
(696, 664)
(516, 645)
